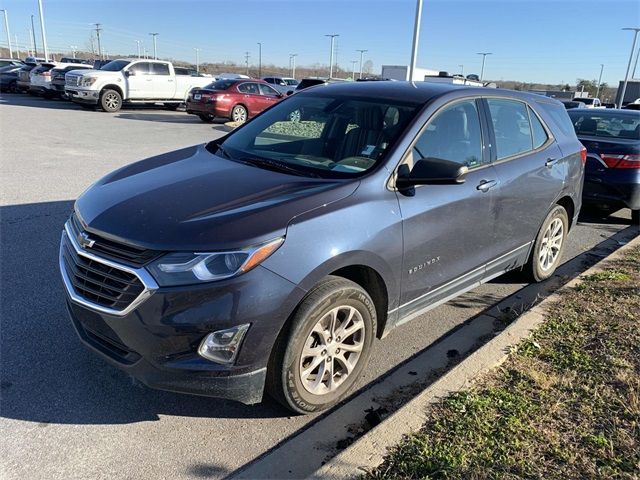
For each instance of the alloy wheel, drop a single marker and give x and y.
(332, 350)
(239, 114)
(112, 101)
(551, 244)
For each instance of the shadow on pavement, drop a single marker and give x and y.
(46, 374)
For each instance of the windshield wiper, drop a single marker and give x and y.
(222, 150)
(277, 166)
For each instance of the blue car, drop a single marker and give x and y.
(270, 260)
(612, 174)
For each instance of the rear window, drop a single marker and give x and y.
(308, 82)
(220, 85)
(560, 117)
(610, 125)
(160, 69)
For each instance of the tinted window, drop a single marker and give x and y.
(181, 71)
(511, 126)
(453, 134)
(115, 66)
(291, 81)
(141, 68)
(267, 90)
(220, 85)
(268, 79)
(248, 87)
(160, 68)
(539, 133)
(560, 117)
(599, 125)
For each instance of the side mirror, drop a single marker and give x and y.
(129, 73)
(433, 171)
(289, 92)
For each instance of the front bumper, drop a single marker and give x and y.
(157, 341)
(89, 97)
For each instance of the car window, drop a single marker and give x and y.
(160, 69)
(599, 125)
(291, 81)
(538, 131)
(560, 118)
(267, 90)
(249, 87)
(511, 126)
(181, 71)
(268, 79)
(141, 68)
(453, 134)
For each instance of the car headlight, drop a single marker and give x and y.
(88, 81)
(184, 268)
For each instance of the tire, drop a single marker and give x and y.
(547, 253)
(110, 100)
(239, 114)
(47, 95)
(635, 217)
(308, 344)
(13, 87)
(206, 117)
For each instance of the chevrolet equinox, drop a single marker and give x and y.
(272, 258)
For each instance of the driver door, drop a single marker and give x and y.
(140, 80)
(448, 230)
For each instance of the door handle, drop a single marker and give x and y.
(550, 162)
(486, 185)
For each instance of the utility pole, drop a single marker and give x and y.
(626, 77)
(461, 70)
(259, 60)
(155, 51)
(33, 37)
(30, 37)
(6, 26)
(333, 37)
(246, 61)
(599, 80)
(292, 62)
(362, 52)
(416, 38)
(197, 60)
(633, 74)
(138, 46)
(44, 35)
(98, 30)
(484, 55)
(353, 69)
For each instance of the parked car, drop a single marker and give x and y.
(237, 100)
(312, 82)
(98, 64)
(612, 139)
(189, 72)
(40, 79)
(9, 78)
(135, 80)
(589, 102)
(275, 255)
(76, 61)
(569, 104)
(57, 85)
(632, 106)
(282, 84)
(23, 82)
(7, 62)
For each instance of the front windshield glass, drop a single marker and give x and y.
(115, 66)
(325, 136)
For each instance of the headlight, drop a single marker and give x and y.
(185, 268)
(88, 81)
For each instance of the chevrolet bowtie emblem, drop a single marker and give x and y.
(84, 240)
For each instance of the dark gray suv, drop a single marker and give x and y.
(274, 256)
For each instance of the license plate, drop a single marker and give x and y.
(197, 96)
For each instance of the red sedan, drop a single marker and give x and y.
(236, 100)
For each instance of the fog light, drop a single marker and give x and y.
(222, 346)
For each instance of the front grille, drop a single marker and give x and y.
(133, 256)
(72, 80)
(99, 283)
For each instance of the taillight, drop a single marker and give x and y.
(46, 74)
(583, 155)
(621, 161)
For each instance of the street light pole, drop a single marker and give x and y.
(155, 50)
(626, 77)
(332, 36)
(353, 65)
(44, 35)
(633, 74)
(246, 61)
(6, 26)
(33, 38)
(599, 80)
(416, 38)
(461, 70)
(259, 60)
(98, 30)
(15, 37)
(484, 55)
(197, 60)
(138, 47)
(362, 52)
(292, 60)
(74, 49)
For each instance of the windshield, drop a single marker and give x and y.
(622, 125)
(290, 81)
(325, 136)
(115, 65)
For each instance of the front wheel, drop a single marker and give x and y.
(317, 362)
(549, 245)
(239, 114)
(110, 101)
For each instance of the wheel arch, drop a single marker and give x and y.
(112, 87)
(568, 204)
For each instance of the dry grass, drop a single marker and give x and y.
(566, 404)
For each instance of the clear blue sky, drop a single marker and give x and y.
(541, 41)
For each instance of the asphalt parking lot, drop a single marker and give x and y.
(67, 414)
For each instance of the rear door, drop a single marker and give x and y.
(531, 172)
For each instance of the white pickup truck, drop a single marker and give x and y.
(135, 80)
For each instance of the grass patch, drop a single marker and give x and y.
(566, 404)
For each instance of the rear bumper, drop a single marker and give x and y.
(619, 188)
(206, 108)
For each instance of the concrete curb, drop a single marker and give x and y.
(369, 450)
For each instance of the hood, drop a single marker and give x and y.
(194, 200)
(97, 73)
